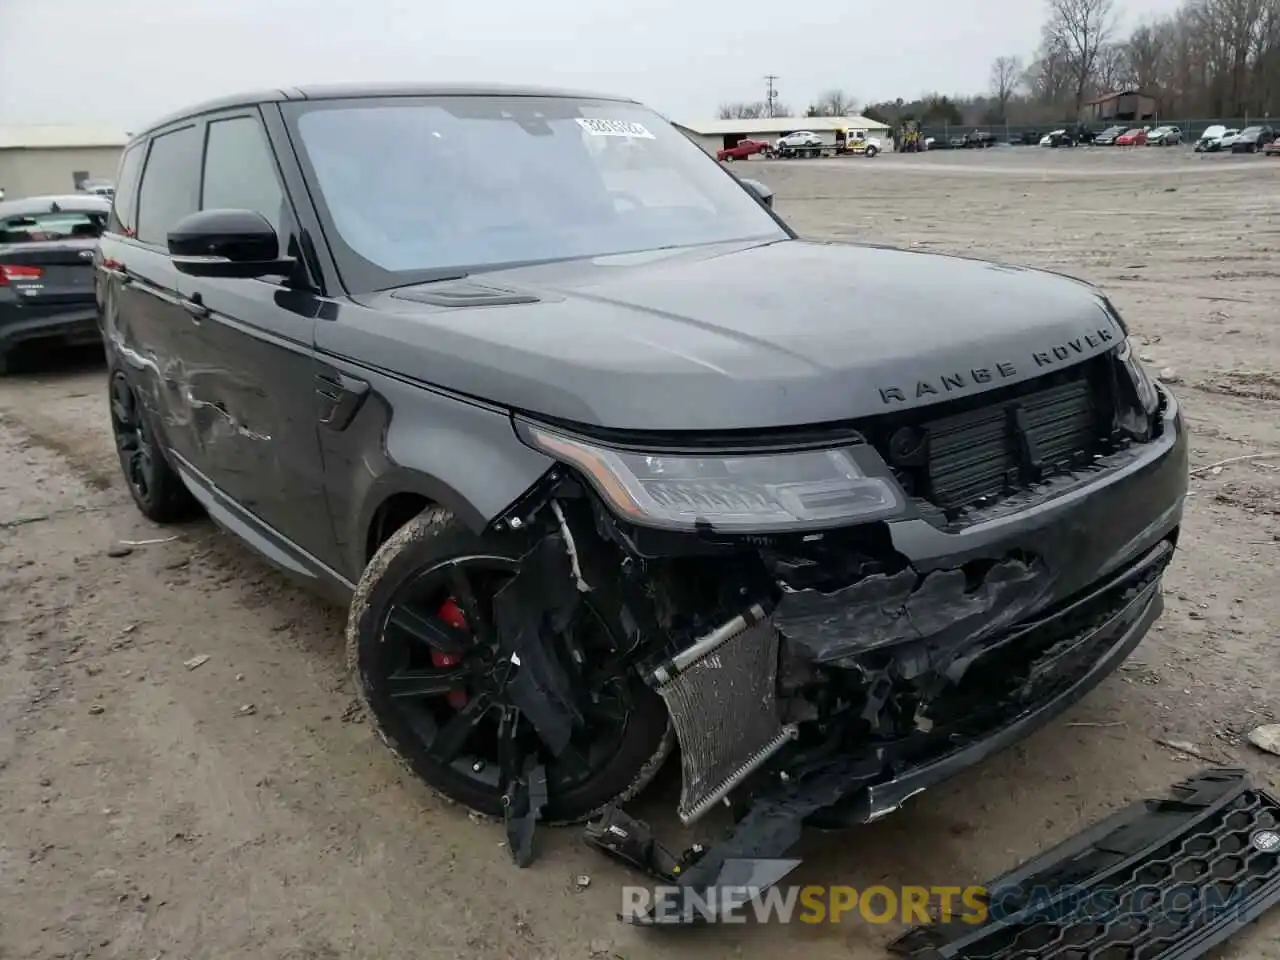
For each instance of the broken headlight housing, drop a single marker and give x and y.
(1148, 396)
(725, 492)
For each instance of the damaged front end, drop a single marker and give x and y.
(836, 623)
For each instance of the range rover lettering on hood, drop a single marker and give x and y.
(957, 381)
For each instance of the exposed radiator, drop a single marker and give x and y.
(722, 697)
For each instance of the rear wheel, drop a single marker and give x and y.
(424, 654)
(155, 487)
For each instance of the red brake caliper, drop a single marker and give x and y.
(453, 616)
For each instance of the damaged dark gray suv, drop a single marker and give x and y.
(605, 459)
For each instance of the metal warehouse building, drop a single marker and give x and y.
(713, 135)
(36, 160)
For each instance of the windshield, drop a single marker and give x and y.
(1251, 131)
(411, 188)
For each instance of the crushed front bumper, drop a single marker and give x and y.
(1071, 585)
(1079, 646)
(1163, 879)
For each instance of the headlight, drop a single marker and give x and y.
(1142, 384)
(727, 493)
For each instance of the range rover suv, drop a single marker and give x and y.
(600, 459)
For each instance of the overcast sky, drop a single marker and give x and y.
(126, 61)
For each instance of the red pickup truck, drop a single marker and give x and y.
(743, 149)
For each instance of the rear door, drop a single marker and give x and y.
(147, 323)
(46, 257)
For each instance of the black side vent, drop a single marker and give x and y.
(464, 294)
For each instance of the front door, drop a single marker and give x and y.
(255, 418)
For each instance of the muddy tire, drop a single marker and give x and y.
(435, 544)
(155, 486)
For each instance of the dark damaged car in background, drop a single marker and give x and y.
(604, 458)
(47, 273)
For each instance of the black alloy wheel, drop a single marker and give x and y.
(156, 489)
(138, 454)
(433, 673)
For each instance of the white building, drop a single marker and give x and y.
(713, 135)
(55, 159)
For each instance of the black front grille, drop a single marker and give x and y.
(981, 455)
(1162, 879)
(976, 452)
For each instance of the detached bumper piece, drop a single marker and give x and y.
(1163, 879)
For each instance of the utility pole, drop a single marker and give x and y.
(771, 94)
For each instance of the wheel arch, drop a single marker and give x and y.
(397, 497)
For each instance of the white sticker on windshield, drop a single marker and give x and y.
(613, 128)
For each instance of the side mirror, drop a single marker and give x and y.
(227, 243)
(760, 190)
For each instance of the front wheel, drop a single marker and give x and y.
(425, 656)
(872, 151)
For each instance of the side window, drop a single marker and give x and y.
(125, 203)
(170, 183)
(240, 171)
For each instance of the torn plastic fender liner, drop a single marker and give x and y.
(895, 608)
(542, 595)
(1165, 879)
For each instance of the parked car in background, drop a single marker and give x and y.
(1210, 140)
(99, 188)
(1058, 138)
(743, 149)
(1135, 137)
(1253, 139)
(1109, 136)
(46, 270)
(1165, 137)
(1272, 149)
(980, 139)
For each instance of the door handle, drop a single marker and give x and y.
(194, 305)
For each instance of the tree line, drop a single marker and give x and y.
(1207, 59)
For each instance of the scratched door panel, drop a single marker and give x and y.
(257, 421)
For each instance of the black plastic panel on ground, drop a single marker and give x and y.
(1161, 880)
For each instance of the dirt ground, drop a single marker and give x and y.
(242, 809)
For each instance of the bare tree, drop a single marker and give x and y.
(1078, 30)
(1146, 53)
(833, 103)
(1006, 74)
(1112, 71)
(741, 111)
(751, 110)
(1047, 78)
